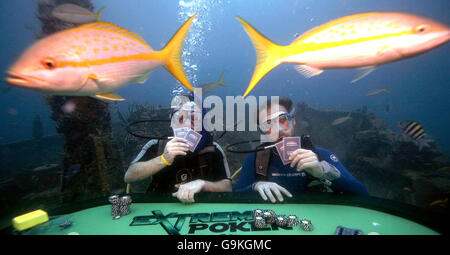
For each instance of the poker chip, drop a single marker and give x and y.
(115, 205)
(257, 213)
(260, 222)
(306, 225)
(269, 216)
(292, 221)
(281, 220)
(125, 203)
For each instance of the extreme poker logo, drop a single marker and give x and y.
(203, 223)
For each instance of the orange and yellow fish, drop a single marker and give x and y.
(439, 202)
(95, 59)
(364, 40)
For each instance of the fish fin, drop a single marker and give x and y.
(220, 81)
(97, 78)
(366, 71)
(424, 143)
(115, 28)
(138, 78)
(268, 54)
(171, 54)
(308, 71)
(143, 78)
(97, 15)
(109, 96)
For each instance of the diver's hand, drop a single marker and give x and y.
(307, 160)
(176, 146)
(187, 191)
(265, 189)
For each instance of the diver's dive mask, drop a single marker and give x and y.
(282, 121)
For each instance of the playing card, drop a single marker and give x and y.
(280, 150)
(193, 138)
(290, 145)
(181, 132)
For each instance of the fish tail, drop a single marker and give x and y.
(171, 54)
(424, 143)
(268, 54)
(220, 81)
(97, 15)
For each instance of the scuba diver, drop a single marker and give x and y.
(264, 172)
(174, 168)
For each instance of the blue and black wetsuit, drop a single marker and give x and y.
(295, 181)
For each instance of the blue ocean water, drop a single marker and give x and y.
(217, 42)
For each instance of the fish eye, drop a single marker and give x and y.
(48, 63)
(421, 28)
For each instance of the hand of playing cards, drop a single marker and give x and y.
(286, 147)
(192, 138)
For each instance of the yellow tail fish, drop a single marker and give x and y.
(341, 120)
(208, 87)
(95, 59)
(76, 14)
(364, 40)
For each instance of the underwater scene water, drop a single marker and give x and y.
(372, 89)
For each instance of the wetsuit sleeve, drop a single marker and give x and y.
(247, 176)
(347, 182)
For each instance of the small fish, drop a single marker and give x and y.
(341, 120)
(415, 131)
(388, 107)
(407, 189)
(377, 91)
(72, 170)
(95, 59)
(364, 41)
(75, 14)
(208, 87)
(12, 111)
(438, 202)
(445, 168)
(45, 167)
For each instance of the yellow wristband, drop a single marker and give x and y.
(165, 161)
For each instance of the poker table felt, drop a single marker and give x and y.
(230, 214)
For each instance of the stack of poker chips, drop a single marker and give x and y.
(263, 217)
(260, 222)
(269, 216)
(120, 206)
(257, 213)
(292, 221)
(115, 206)
(306, 225)
(125, 204)
(281, 221)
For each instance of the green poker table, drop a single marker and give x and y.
(232, 214)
